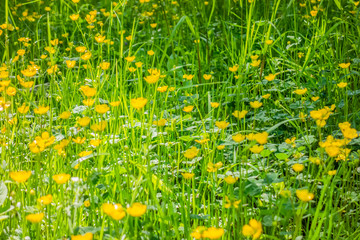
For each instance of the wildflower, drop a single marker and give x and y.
(238, 138)
(256, 148)
(213, 233)
(88, 102)
(214, 104)
(255, 104)
(313, 13)
(342, 84)
(86, 203)
(61, 178)
(150, 52)
(79, 140)
(138, 103)
(99, 38)
(234, 68)
(297, 167)
(269, 42)
(41, 110)
(95, 142)
(344, 65)
(162, 89)
(253, 229)
(230, 179)
(45, 200)
(83, 122)
(99, 127)
(104, 65)
(187, 175)
(80, 49)
(86, 56)
(115, 211)
(65, 115)
(35, 218)
(255, 63)
(23, 109)
(221, 124)
(29, 72)
(230, 203)
(332, 172)
(88, 91)
(300, 91)
(130, 58)
(220, 147)
(197, 233)
(188, 108)
(86, 236)
(321, 116)
(70, 63)
(136, 210)
(20, 176)
(207, 76)
(304, 195)
(315, 98)
(191, 152)
(102, 108)
(160, 123)
(266, 96)
(347, 131)
(239, 115)
(213, 167)
(138, 64)
(11, 91)
(261, 138)
(85, 153)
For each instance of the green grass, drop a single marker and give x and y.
(139, 162)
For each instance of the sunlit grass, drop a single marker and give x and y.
(179, 119)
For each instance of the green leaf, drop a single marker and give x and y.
(3, 192)
(186, 138)
(252, 189)
(282, 156)
(338, 4)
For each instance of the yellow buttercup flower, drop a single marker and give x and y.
(115, 211)
(297, 167)
(207, 76)
(188, 108)
(342, 84)
(239, 115)
(256, 148)
(253, 229)
(300, 91)
(344, 65)
(191, 152)
(61, 178)
(230, 179)
(136, 210)
(45, 200)
(138, 103)
(238, 138)
(86, 236)
(188, 175)
(221, 124)
(102, 108)
(255, 104)
(20, 176)
(41, 110)
(213, 233)
(304, 195)
(234, 68)
(35, 218)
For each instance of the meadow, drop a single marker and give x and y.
(186, 119)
